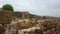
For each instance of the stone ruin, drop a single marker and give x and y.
(50, 27)
(46, 27)
(5, 18)
(25, 15)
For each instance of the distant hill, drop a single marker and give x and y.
(19, 14)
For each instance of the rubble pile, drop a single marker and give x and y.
(50, 27)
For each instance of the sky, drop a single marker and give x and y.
(38, 7)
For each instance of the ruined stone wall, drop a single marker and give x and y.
(5, 16)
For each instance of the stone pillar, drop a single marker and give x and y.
(25, 15)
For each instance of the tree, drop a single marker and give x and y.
(7, 7)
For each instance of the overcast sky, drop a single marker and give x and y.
(38, 7)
